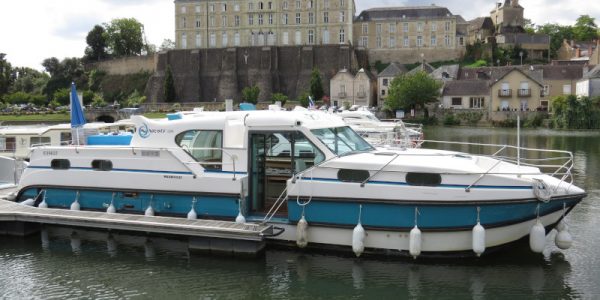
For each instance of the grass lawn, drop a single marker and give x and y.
(155, 115)
(36, 118)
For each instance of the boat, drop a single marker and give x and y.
(10, 172)
(311, 175)
(17, 141)
(394, 133)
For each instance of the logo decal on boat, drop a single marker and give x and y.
(143, 131)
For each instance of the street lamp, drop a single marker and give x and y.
(422, 61)
(521, 55)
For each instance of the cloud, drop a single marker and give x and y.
(76, 27)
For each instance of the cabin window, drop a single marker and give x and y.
(39, 141)
(205, 146)
(102, 165)
(347, 175)
(65, 138)
(8, 143)
(423, 179)
(60, 164)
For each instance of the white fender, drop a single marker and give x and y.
(43, 204)
(192, 215)
(478, 239)
(149, 211)
(414, 243)
(28, 202)
(537, 237)
(563, 239)
(75, 205)
(240, 218)
(358, 240)
(111, 208)
(302, 233)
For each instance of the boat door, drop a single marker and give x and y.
(275, 156)
(270, 168)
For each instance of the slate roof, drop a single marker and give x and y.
(392, 70)
(481, 23)
(408, 12)
(466, 88)
(496, 73)
(422, 67)
(450, 70)
(561, 72)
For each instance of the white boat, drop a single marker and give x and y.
(393, 133)
(310, 174)
(10, 171)
(17, 141)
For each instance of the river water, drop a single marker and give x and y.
(62, 263)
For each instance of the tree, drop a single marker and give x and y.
(529, 26)
(279, 97)
(5, 74)
(62, 73)
(169, 86)
(558, 33)
(167, 45)
(412, 91)
(97, 44)
(250, 94)
(316, 86)
(585, 28)
(29, 80)
(125, 37)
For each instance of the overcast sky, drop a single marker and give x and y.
(32, 30)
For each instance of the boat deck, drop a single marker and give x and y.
(15, 212)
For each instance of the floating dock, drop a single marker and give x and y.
(204, 235)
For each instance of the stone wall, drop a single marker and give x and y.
(205, 75)
(408, 56)
(127, 65)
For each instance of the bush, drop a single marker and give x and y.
(451, 120)
(61, 96)
(535, 120)
(279, 97)
(98, 101)
(250, 94)
(472, 117)
(135, 99)
(303, 99)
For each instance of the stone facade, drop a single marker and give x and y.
(403, 33)
(349, 89)
(127, 65)
(203, 75)
(204, 24)
(516, 91)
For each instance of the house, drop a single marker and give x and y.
(384, 79)
(580, 51)
(480, 29)
(589, 85)
(516, 90)
(348, 89)
(466, 94)
(559, 80)
(424, 66)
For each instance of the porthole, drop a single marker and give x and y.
(102, 165)
(348, 175)
(423, 179)
(60, 164)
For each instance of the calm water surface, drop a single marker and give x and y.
(62, 263)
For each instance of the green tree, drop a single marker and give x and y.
(62, 96)
(62, 73)
(125, 37)
(412, 91)
(558, 33)
(135, 99)
(303, 99)
(98, 101)
(169, 86)
(29, 80)
(279, 97)
(166, 45)
(97, 44)
(5, 74)
(585, 28)
(316, 85)
(250, 94)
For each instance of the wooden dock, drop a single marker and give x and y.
(205, 235)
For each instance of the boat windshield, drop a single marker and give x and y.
(342, 140)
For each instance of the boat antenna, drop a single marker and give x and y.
(518, 140)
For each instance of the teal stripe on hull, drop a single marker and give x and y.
(432, 217)
(167, 204)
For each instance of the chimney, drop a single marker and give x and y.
(572, 43)
(578, 53)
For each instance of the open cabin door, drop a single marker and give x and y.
(275, 156)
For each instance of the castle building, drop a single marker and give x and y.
(397, 33)
(236, 23)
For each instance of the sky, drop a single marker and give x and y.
(32, 30)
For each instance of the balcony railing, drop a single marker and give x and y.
(505, 93)
(342, 95)
(524, 92)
